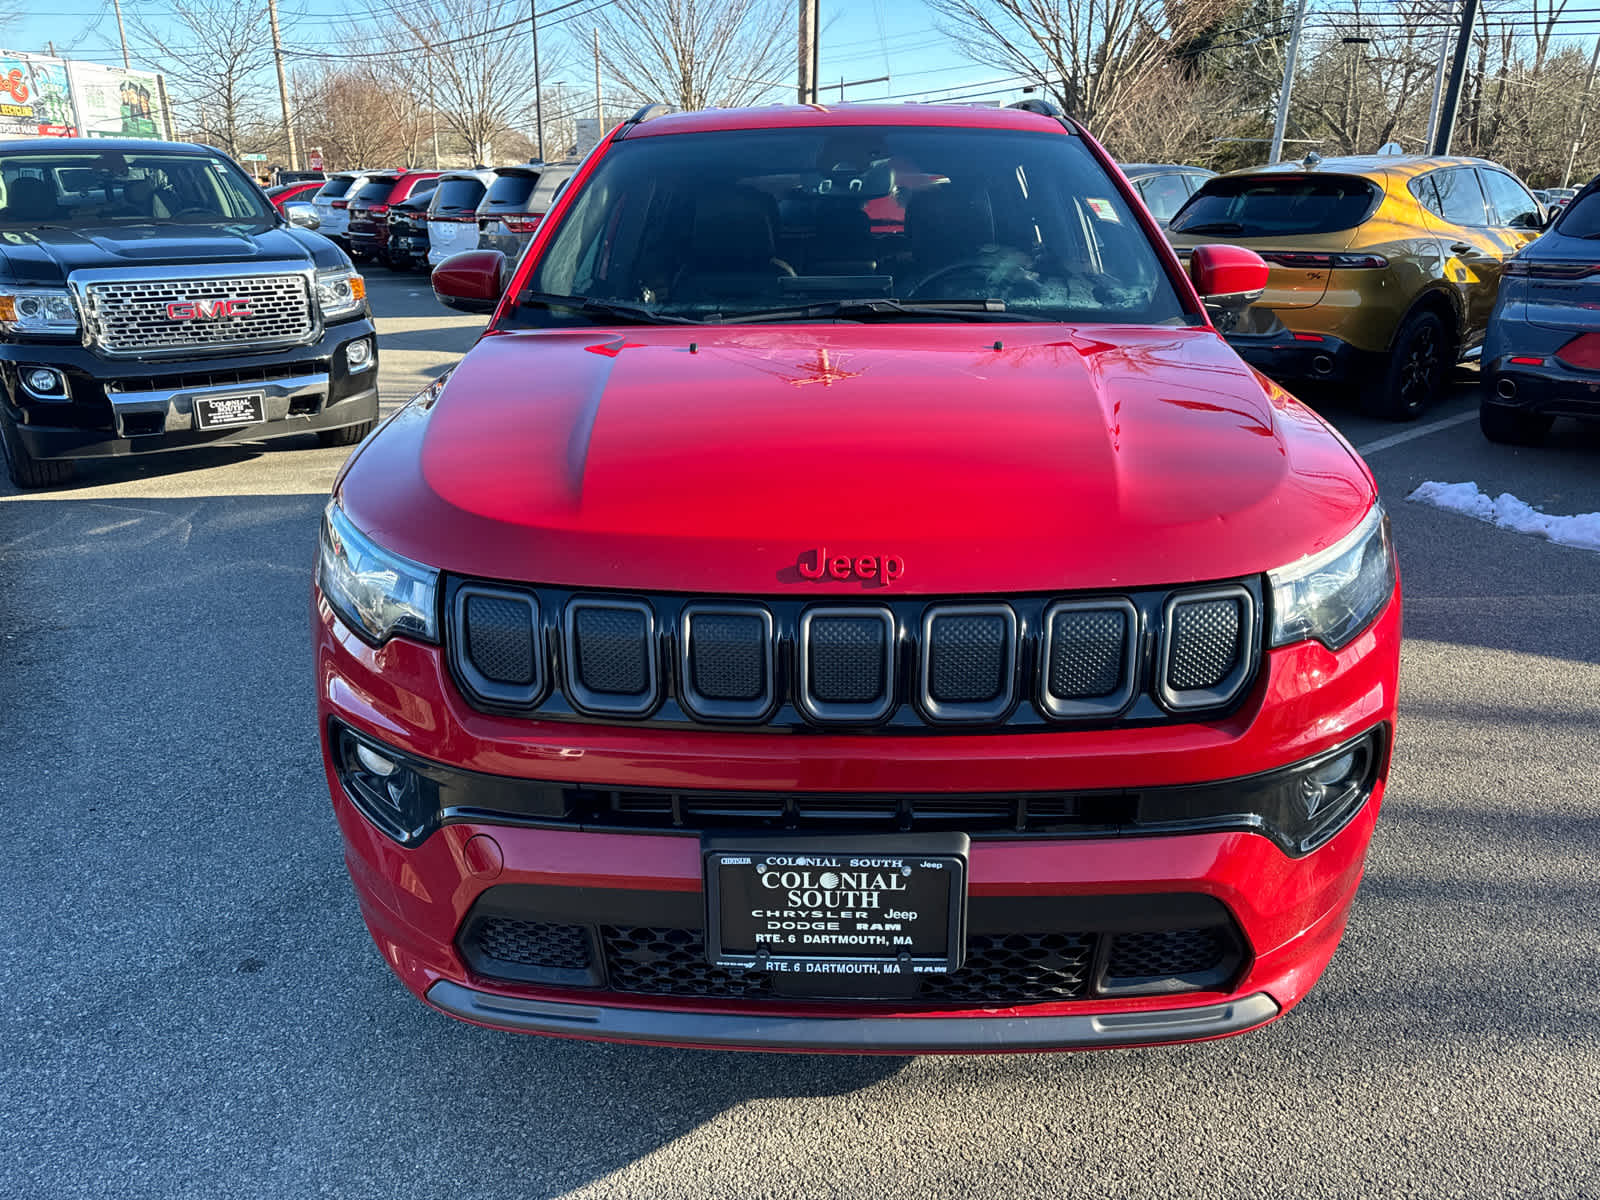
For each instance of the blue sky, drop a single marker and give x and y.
(861, 39)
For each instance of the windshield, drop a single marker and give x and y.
(734, 224)
(1273, 205)
(81, 189)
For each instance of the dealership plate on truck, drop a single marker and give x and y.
(850, 915)
(217, 412)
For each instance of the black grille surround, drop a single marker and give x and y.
(1123, 946)
(877, 664)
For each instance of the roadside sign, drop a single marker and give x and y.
(253, 157)
(314, 163)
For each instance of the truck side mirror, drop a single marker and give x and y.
(472, 281)
(302, 215)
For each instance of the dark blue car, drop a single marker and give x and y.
(1541, 357)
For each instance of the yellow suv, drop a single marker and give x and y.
(1384, 268)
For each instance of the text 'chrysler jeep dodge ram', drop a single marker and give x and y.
(152, 298)
(852, 599)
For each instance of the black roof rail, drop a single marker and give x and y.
(648, 113)
(1034, 105)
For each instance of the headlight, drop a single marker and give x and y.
(376, 593)
(1332, 596)
(340, 294)
(43, 310)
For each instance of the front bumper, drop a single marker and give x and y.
(1551, 389)
(118, 408)
(1289, 912)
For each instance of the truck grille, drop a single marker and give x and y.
(134, 317)
(1150, 655)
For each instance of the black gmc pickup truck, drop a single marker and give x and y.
(152, 298)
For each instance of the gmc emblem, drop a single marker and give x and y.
(878, 569)
(207, 310)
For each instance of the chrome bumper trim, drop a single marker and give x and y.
(178, 404)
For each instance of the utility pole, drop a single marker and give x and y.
(122, 34)
(283, 88)
(51, 46)
(1583, 117)
(1452, 95)
(1280, 124)
(599, 109)
(808, 51)
(1438, 86)
(538, 99)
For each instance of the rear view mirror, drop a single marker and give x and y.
(472, 281)
(1228, 276)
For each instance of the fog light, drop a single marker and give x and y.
(376, 763)
(358, 355)
(44, 384)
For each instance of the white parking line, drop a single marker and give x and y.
(1417, 431)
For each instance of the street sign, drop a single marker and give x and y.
(314, 163)
(254, 157)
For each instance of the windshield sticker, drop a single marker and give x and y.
(1103, 210)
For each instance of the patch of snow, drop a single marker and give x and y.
(1506, 511)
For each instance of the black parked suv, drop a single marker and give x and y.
(151, 298)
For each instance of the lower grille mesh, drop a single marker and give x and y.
(1000, 969)
(1165, 953)
(533, 943)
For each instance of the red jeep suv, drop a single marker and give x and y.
(791, 631)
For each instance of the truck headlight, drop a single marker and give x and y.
(340, 293)
(376, 593)
(1334, 595)
(38, 310)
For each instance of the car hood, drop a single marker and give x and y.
(46, 255)
(723, 459)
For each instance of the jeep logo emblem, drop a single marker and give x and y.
(207, 310)
(880, 569)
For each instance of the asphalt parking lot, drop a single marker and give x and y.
(193, 1007)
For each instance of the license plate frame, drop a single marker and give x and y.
(937, 934)
(254, 412)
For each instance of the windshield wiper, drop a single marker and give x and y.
(1212, 227)
(869, 309)
(605, 308)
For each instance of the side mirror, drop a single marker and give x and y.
(1228, 277)
(301, 214)
(472, 281)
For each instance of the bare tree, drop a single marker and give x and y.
(698, 53)
(1170, 118)
(1092, 55)
(352, 116)
(475, 56)
(214, 54)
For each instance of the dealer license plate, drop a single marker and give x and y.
(214, 412)
(849, 910)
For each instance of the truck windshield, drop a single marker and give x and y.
(853, 223)
(73, 189)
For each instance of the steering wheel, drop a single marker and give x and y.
(966, 264)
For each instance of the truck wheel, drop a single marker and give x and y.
(1512, 426)
(27, 471)
(1416, 372)
(349, 435)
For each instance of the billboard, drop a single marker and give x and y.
(53, 97)
(35, 97)
(113, 103)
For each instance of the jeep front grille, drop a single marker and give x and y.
(129, 317)
(1146, 656)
